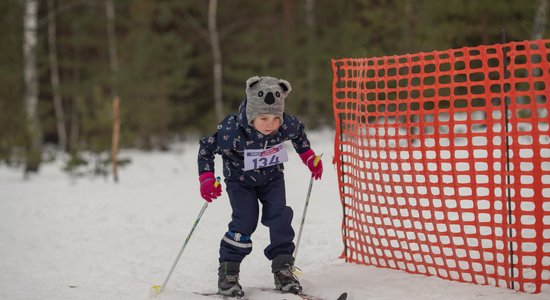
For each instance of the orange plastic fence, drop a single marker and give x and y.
(444, 162)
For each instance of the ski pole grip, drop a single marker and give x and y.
(218, 179)
(317, 159)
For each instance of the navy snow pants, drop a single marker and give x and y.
(236, 243)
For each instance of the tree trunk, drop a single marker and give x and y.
(288, 47)
(115, 138)
(75, 99)
(539, 24)
(311, 99)
(113, 62)
(408, 26)
(74, 146)
(111, 36)
(54, 75)
(31, 86)
(217, 57)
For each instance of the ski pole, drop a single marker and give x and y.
(315, 162)
(156, 289)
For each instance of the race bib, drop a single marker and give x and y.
(260, 158)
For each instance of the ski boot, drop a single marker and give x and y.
(228, 280)
(283, 273)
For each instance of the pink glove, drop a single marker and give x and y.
(313, 162)
(210, 188)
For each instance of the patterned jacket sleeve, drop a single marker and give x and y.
(208, 147)
(297, 134)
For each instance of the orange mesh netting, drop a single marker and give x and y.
(435, 178)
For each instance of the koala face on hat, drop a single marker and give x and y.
(266, 96)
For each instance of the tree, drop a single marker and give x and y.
(34, 132)
(311, 62)
(216, 57)
(54, 76)
(113, 64)
(539, 24)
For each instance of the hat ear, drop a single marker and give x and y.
(285, 85)
(252, 81)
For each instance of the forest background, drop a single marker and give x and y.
(175, 68)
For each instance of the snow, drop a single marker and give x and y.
(89, 238)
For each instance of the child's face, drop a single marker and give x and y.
(266, 124)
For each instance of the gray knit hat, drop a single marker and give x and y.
(265, 96)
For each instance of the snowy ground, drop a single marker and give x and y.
(62, 238)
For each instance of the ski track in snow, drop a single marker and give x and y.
(89, 238)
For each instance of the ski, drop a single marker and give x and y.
(304, 296)
(218, 295)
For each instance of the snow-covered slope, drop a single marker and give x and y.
(91, 239)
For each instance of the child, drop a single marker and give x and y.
(251, 146)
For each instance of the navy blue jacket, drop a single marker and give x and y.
(234, 135)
